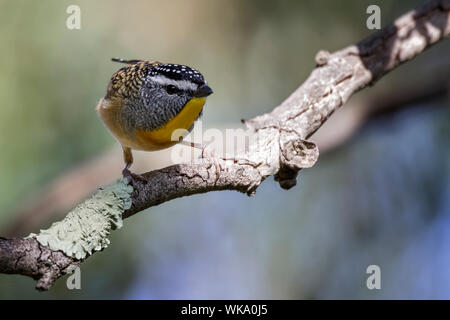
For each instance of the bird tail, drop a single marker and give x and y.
(120, 60)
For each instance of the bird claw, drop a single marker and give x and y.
(208, 154)
(132, 177)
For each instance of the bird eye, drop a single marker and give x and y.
(171, 89)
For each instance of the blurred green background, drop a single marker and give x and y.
(382, 197)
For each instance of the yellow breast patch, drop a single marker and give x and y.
(162, 137)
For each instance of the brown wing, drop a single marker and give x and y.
(125, 82)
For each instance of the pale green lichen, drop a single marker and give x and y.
(86, 228)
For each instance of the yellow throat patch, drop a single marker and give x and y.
(162, 137)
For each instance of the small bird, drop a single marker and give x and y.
(147, 101)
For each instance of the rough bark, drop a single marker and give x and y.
(29, 258)
(278, 146)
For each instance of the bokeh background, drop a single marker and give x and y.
(379, 194)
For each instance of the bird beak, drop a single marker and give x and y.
(203, 91)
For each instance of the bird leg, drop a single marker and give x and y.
(126, 173)
(127, 157)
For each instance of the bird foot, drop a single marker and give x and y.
(132, 177)
(208, 154)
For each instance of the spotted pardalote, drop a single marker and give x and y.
(146, 101)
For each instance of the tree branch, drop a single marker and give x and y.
(278, 147)
(336, 77)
